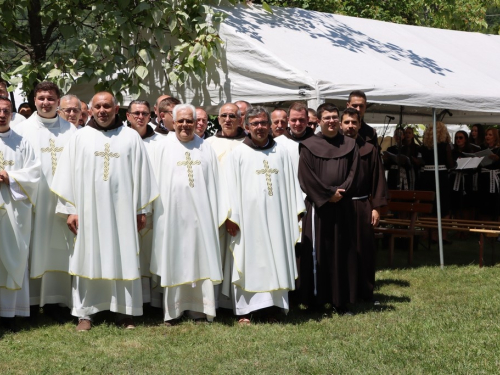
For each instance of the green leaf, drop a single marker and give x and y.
(157, 16)
(141, 7)
(54, 73)
(266, 7)
(172, 23)
(92, 48)
(141, 71)
(67, 31)
(145, 56)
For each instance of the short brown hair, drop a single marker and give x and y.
(167, 102)
(48, 86)
(299, 107)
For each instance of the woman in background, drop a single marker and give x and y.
(445, 162)
(489, 180)
(476, 138)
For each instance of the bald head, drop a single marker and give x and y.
(229, 119)
(104, 108)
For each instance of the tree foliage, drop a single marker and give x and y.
(113, 41)
(465, 15)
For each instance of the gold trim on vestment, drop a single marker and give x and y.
(143, 235)
(147, 204)
(1, 207)
(47, 271)
(262, 291)
(103, 278)
(67, 200)
(24, 191)
(4, 287)
(215, 282)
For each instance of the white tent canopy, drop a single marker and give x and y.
(296, 54)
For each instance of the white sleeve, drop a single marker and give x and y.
(16, 191)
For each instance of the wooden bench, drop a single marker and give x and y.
(489, 229)
(411, 202)
(407, 205)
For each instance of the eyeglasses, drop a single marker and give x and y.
(137, 114)
(330, 118)
(71, 109)
(232, 116)
(185, 121)
(257, 123)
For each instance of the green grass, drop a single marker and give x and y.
(431, 321)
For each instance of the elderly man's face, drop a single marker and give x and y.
(279, 122)
(259, 127)
(229, 120)
(46, 103)
(139, 118)
(243, 110)
(201, 122)
(104, 109)
(184, 125)
(70, 110)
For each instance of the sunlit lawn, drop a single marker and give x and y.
(429, 321)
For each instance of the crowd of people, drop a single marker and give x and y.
(273, 209)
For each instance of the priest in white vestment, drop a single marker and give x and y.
(138, 116)
(187, 217)
(223, 142)
(265, 206)
(51, 240)
(19, 177)
(105, 185)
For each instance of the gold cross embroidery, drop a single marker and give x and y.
(267, 171)
(106, 155)
(189, 164)
(3, 162)
(53, 154)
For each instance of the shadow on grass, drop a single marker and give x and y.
(397, 282)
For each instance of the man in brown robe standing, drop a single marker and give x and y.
(328, 168)
(370, 194)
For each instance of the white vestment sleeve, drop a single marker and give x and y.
(15, 190)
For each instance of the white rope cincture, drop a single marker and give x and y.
(315, 262)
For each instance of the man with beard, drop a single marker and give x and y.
(370, 192)
(105, 186)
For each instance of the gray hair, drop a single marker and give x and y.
(180, 107)
(256, 111)
(71, 96)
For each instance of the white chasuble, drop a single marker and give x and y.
(223, 147)
(51, 241)
(16, 201)
(105, 178)
(265, 201)
(187, 217)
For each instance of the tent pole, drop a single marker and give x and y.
(438, 195)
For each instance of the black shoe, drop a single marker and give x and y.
(9, 324)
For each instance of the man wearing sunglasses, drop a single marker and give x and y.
(223, 142)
